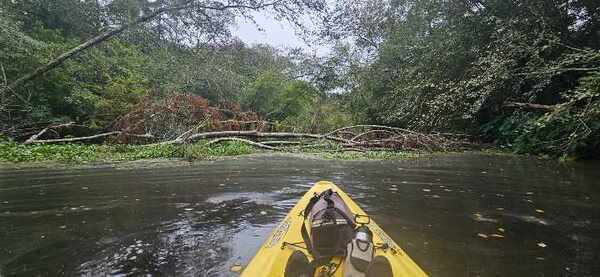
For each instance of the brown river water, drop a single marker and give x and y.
(455, 215)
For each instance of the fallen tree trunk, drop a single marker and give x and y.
(370, 132)
(76, 139)
(371, 126)
(382, 137)
(33, 138)
(256, 144)
(281, 142)
(256, 134)
(529, 106)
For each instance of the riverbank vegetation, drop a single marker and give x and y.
(116, 75)
(90, 153)
(76, 153)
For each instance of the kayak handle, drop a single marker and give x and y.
(358, 217)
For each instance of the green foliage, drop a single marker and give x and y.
(264, 95)
(72, 153)
(13, 152)
(572, 129)
(108, 81)
(139, 152)
(369, 155)
(93, 88)
(232, 148)
(294, 103)
(150, 60)
(452, 65)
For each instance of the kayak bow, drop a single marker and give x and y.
(286, 239)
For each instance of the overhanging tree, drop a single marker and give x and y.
(188, 12)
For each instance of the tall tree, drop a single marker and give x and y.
(183, 13)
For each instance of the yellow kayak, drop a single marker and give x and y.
(288, 240)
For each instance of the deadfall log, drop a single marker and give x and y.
(255, 144)
(77, 139)
(529, 106)
(256, 134)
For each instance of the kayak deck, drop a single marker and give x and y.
(272, 257)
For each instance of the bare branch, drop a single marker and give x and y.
(107, 35)
(77, 138)
(530, 106)
(34, 138)
(257, 144)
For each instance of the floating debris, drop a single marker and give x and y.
(500, 209)
(539, 211)
(582, 223)
(189, 209)
(435, 196)
(426, 190)
(542, 245)
(63, 227)
(484, 236)
(263, 212)
(483, 172)
(84, 188)
(497, 236)
(529, 193)
(531, 219)
(479, 217)
(447, 190)
(221, 185)
(501, 230)
(236, 268)
(540, 258)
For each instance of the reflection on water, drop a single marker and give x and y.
(456, 215)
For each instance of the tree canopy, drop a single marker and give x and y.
(459, 66)
(522, 74)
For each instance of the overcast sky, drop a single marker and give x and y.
(274, 33)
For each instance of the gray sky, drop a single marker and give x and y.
(275, 33)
